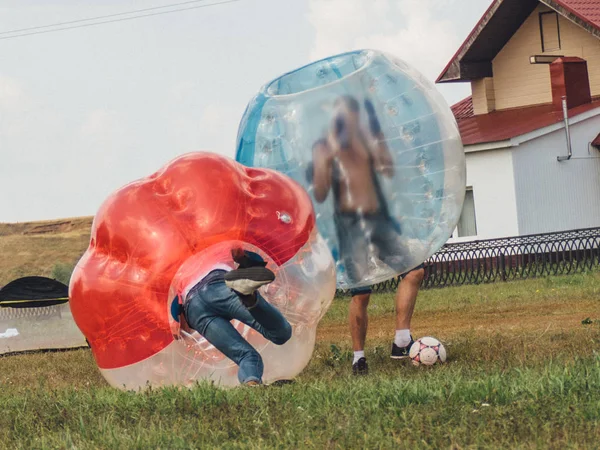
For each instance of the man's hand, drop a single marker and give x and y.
(323, 156)
(326, 153)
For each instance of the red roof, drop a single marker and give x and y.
(596, 142)
(463, 109)
(586, 10)
(503, 125)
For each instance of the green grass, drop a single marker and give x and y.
(471, 403)
(523, 372)
(506, 294)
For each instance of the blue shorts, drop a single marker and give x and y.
(352, 231)
(368, 289)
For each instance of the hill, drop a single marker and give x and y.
(39, 248)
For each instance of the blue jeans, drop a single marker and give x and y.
(209, 310)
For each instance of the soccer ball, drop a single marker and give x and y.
(427, 351)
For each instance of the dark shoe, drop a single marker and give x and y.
(249, 276)
(246, 258)
(360, 367)
(247, 281)
(401, 352)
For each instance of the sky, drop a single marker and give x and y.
(87, 110)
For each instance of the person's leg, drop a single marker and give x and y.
(263, 317)
(353, 246)
(395, 253)
(204, 313)
(390, 247)
(406, 298)
(359, 320)
(353, 243)
(220, 333)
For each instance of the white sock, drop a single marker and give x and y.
(402, 338)
(357, 355)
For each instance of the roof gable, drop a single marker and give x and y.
(500, 22)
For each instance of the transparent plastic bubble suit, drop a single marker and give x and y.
(378, 150)
(155, 238)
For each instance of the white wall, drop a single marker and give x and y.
(524, 190)
(490, 174)
(558, 196)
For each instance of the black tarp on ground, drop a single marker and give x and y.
(33, 292)
(35, 315)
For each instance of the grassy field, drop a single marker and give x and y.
(523, 372)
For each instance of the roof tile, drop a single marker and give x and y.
(507, 124)
(587, 10)
(463, 109)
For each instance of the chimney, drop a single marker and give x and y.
(484, 99)
(569, 78)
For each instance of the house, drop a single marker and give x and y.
(531, 127)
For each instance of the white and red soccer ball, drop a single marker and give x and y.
(427, 351)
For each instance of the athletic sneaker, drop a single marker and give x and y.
(247, 281)
(360, 367)
(249, 276)
(401, 352)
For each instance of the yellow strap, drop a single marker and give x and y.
(8, 302)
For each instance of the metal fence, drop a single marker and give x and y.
(8, 314)
(506, 259)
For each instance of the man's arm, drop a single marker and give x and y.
(384, 163)
(322, 169)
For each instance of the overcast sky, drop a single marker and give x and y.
(84, 111)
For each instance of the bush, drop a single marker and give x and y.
(62, 272)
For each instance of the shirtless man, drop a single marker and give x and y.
(348, 162)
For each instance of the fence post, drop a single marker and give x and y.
(502, 266)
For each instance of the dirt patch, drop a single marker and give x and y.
(81, 224)
(539, 317)
(51, 228)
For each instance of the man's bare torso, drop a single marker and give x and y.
(356, 186)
